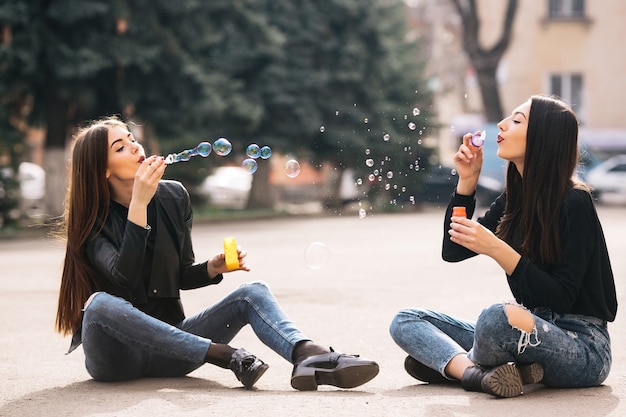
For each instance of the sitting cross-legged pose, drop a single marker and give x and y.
(128, 255)
(544, 232)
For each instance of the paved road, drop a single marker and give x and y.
(373, 267)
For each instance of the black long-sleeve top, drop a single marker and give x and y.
(581, 283)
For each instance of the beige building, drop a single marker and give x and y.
(570, 48)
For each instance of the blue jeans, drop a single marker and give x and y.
(121, 342)
(575, 350)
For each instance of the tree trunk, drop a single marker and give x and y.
(54, 157)
(490, 94)
(485, 61)
(261, 194)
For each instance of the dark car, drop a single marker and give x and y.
(440, 181)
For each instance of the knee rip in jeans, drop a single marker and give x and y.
(521, 319)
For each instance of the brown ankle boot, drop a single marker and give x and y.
(501, 381)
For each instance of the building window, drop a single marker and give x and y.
(569, 87)
(566, 9)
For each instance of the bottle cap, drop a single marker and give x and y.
(459, 211)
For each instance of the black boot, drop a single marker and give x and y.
(501, 381)
(423, 373)
(531, 373)
(247, 367)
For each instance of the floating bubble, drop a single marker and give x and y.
(292, 168)
(367, 151)
(222, 147)
(204, 149)
(412, 126)
(249, 165)
(389, 174)
(253, 150)
(316, 255)
(369, 162)
(322, 129)
(386, 137)
(416, 111)
(266, 152)
(362, 213)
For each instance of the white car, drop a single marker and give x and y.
(228, 187)
(608, 180)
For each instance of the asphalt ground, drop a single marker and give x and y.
(342, 291)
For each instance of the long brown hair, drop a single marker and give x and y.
(531, 214)
(86, 206)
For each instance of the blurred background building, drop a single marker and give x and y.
(565, 47)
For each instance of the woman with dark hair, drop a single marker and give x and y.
(128, 255)
(545, 234)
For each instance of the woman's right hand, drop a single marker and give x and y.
(468, 161)
(145, 184)
(147, 179)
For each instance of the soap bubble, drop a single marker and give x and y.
(386, 137)
(416, 111)
(185, 155)
(249, 165)
(322, 129)
(412, 126)
(369, 162)
(292, 168)
(253, 151)
(316, 255)
(222, 147)
(266, 152)
(203, 149)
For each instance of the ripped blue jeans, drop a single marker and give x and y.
(121, 342)
(575, 350)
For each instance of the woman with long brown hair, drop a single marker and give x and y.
(545, 234)
(129, 253)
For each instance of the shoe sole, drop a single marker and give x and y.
(531, 373)
(348, 377)
(249, 382)
(503, 381)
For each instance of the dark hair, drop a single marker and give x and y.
(533, 200)
(86, 206)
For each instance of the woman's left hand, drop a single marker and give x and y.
(217, 264)
(477, 238)
(472, 235)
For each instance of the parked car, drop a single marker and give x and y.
(32, 179)
(441, 182)
(22, 193)
(227, 187)
(608, 180)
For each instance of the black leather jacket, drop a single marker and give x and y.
(117, 252)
